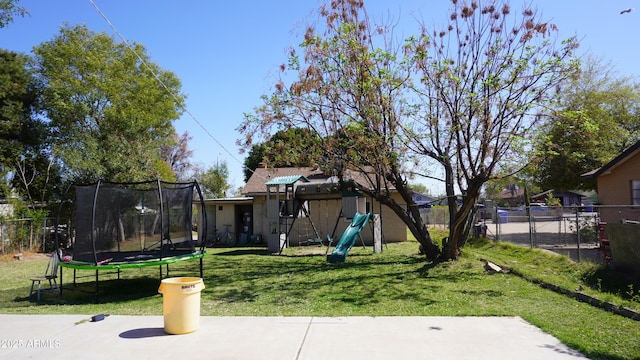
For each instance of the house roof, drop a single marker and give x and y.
(511, 194)
(608, 167)
(556, 193)
(236, 201)
(420, 198)
(257, 183)
(258, 180)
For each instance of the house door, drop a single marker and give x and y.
(244, 223)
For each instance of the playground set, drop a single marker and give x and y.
(288, 202)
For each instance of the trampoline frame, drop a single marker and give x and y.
(160, 261)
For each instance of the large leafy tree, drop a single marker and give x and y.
(110, 107)
(294, 147)
(9, 9)
(462, 97)
(26, 164)
(214, 181)
(598, 116)
(15, 107)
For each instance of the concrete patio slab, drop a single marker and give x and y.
(143, 337)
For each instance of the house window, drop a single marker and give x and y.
(635, 192)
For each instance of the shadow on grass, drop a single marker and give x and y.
(288, 280)
(424, 270)
(241, 252)
(608, 280)
(109, 291)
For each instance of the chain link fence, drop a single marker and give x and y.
(18, 235)
(570, 230)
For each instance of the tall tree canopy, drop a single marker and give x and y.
(26, 164)
(462, 97)
(294, 147)
(16, 102)
(10, 9)
(108, 112)
(597, 118)
(214, 181)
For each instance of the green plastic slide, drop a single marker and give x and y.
(348, 238)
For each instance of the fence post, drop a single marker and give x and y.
(531, 225)
(44, 236)
(578, 229)
(497, 222)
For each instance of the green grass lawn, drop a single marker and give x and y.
(248, 281)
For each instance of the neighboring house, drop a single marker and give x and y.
(566, 198)
(313, 193)
(618, 183)
(6, 210)
(512, 196)
(423, 201)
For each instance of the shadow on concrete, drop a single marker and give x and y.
(143, 333)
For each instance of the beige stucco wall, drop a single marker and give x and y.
(324, 214)
(220, 214)
(614, 188)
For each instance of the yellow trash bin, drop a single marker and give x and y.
(181, 304)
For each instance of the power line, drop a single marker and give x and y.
(157, 77)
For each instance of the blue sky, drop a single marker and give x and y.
(227, 53)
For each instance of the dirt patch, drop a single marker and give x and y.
(26, 256)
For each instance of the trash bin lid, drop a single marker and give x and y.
(181, 285)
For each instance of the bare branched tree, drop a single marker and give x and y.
(177, 155)
(484, 81)
(462, 97)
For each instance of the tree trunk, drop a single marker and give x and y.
(411, 217)
(459, 223)
(419, 230)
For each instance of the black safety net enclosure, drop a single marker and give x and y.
(134, 223)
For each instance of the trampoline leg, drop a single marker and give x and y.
(96, 286)
(200, 269)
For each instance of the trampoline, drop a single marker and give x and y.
(133, 225)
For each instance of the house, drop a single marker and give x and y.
(618, 183)
(230, 214)
(566, 198)
(6, 209)
(511, 196)
(311, 205)
(423, 201)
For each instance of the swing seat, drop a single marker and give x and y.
(311, 241)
